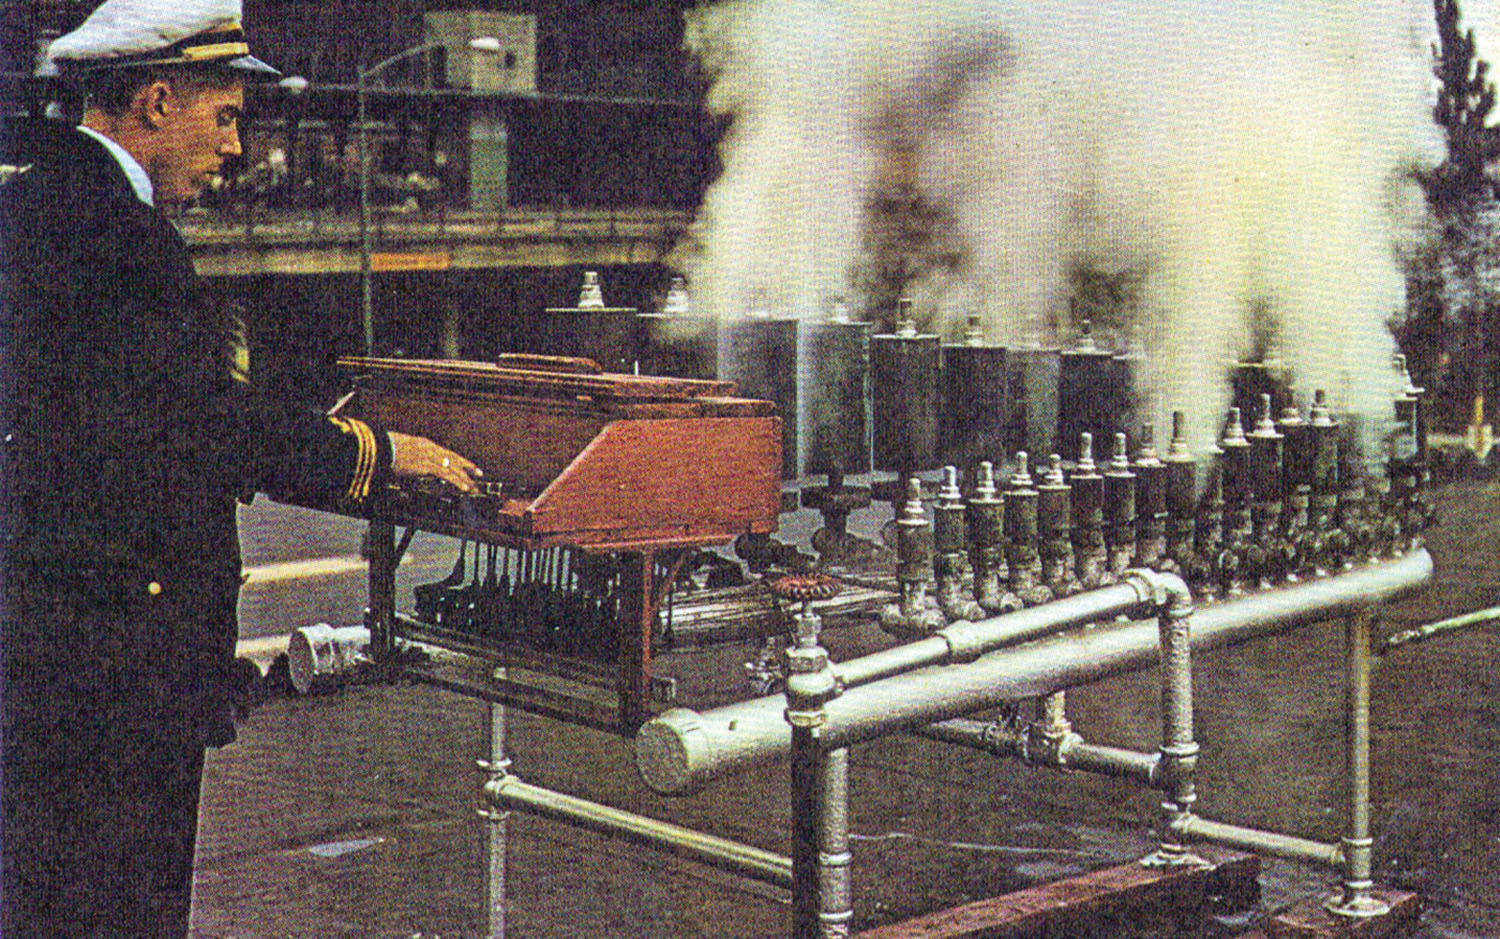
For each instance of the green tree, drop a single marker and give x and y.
(1465, 99)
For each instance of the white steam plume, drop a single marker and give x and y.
(1243, 159)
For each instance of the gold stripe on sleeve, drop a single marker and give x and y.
(364, 465)
(364, 470)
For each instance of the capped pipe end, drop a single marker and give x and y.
(664, 748)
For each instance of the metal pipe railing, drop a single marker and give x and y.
(505, 791)
(681, 750)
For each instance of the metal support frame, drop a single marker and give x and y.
(1356, 900)
(499, 826)
(822, 897)
(504, 791)
(380, 617)
(1179, 751)
(681, 750)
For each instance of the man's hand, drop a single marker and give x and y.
(417, 457)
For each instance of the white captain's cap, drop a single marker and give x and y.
(130, 33)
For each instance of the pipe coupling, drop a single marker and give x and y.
(1177, 763)
(1047, 746)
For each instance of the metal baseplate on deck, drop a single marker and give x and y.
(1311, 919)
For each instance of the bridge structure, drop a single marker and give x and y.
(252, 240)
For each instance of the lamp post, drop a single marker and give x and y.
(486, 44)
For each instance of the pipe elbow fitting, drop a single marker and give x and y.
(1161, 590)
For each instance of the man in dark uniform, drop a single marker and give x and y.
(128, 432)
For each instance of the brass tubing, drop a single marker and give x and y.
(1196, 828)
(507, 792)
(682, 749)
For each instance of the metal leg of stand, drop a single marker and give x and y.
(822, 904)
(498, 830)
(380, 618)
(1356, 899)
(637, 619)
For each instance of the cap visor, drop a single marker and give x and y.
(254, 69)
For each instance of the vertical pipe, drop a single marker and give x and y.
(822, 898)
(1269, 561)
(1179, 751)
(498, 832)
(380, 618)
(806, 762)
(1356, 899)
(1021, 555)
(836, 896)
(1150, 501)
(948, 551)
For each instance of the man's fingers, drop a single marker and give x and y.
(418, 456)
(457, 471)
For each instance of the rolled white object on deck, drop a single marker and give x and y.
(322, 652)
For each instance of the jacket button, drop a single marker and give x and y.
(153, 588)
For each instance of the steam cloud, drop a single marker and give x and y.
(1241, 162)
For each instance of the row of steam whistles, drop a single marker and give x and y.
(902, 401)
(1285, 500)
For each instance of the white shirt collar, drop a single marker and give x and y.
(139, 181)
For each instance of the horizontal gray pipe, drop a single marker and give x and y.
(964, 641)
(1194, 828)
(682, 749)
(1076, 753)
(507, 792)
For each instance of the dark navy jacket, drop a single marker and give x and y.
(127, 439)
